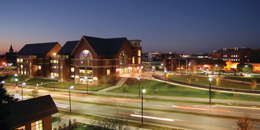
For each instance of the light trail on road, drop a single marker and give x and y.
(195, 108)
(149, 117)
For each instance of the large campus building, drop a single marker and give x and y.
(89, 59)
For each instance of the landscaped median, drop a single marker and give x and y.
(156, 88)
(223, 83)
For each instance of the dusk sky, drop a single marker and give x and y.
(162, 25)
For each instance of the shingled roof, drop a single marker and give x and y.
(103, 46)
(31, 110)
(37, 48)
(68, 48)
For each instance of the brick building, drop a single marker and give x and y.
(233, 54)
(90, 59)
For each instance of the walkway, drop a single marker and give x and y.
(119, 84)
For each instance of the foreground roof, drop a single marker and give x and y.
(102, 46)
(68, 48)
(37, 48)
(31, 110)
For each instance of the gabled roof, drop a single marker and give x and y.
(102, 46)
(37, 48)
(68, 48)
(30, 110)
(239, 50)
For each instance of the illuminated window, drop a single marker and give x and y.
(36, 125)
(139, 60)
(123, 58)
(224, 55)
(108, 72)
(139, 52)
(39, 67)
(21, 60)
(72, 69)
(133, 60)
(21, 66)
(18, 60)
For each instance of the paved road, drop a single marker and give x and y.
(183, 121)
(183, 107)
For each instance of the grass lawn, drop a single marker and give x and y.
(165, 89)
(205, 81)
(54, 119)
(78, 86)
(243, 78)
(34, 81)
(10, 79)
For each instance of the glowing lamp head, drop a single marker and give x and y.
(138, 78)
(165, 71)
(2, 82)
(143, 91)
(15, 79)
(216, 65)
(71, 87)
(23, 83)
(85, 77)
(210, 79)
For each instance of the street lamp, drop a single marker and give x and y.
(53, 82)
(143, 91)
(210, 79)
(23, 84)
(70, 87)
(2, 82)
(15, 79)
(165, 71)
(86, 78)
(138, 78)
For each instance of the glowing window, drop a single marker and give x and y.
(108, 72)
(139, 52)
(72, 69)
(133, 60)
(39, 67)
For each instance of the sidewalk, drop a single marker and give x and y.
(65, 120)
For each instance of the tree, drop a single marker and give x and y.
(189, 80)
(235, 96)
(229, 65)
(34, 93)
(192, 67)
(125, 89)
(255, 57)
(244, 123)
(253, 85)
(218, 82)
(6, 101)
(244, 68)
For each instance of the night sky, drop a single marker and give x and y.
(162, 25)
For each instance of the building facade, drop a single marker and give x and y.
(233, 54)
(88, 60)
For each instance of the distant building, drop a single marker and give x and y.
(9, 58)
(90, 59)
(32, 114)
(233, 54)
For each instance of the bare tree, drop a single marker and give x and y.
(189, 80)
(192, 67)
(235, 96)
(253, 85)
(218, 82)
(244, 123)
(125, 89)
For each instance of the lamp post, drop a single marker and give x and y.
(70, 87)
(2, 82)
(15, 79)
(210, 79)
(23, 84)
(138, 78)
(165, 71)
(143, 91)
(86, 78)
(53, 82)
